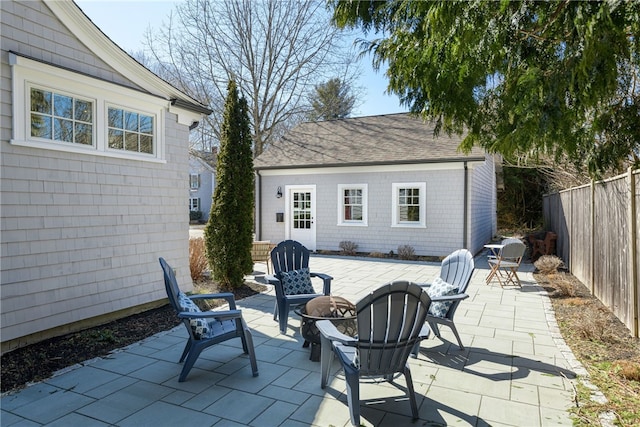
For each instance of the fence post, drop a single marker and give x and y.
(592, 237)
(633, 250)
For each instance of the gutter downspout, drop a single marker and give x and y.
(465, 231)
(258, 217)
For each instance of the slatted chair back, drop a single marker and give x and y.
(289, 255)
(389, 322)
(171, 285)
(457, 269)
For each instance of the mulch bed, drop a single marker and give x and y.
(39, 361)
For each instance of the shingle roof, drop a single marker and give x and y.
(373, 140)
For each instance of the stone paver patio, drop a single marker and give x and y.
(515, 369)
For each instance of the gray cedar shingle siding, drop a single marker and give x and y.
(379, 151)
(81, 232)
(385, 139)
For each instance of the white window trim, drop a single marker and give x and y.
(365, 202)
(27, 73)
(395, 187)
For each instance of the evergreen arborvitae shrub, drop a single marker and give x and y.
(229, 231)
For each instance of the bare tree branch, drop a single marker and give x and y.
(277, 51)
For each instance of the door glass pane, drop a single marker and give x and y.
(301, 210)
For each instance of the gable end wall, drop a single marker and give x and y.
(81, 234)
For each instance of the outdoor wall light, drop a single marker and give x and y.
(279, 192)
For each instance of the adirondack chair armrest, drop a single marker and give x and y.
(295, 300)
(456, 297)
(329, 331)
(326, 282)
(228, 296)
(220, 315)
(424, 332)
(271, 279)
(321, 275)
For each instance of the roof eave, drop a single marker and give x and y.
(99, 43)
(381, 163)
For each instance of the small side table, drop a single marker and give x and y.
(338, 310)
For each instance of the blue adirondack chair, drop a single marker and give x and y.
(455, 271)
(292, 279)
(391, 321)
(206, 328)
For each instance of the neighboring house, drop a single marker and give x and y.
(94, 164)
(202, 182)
(380, 182)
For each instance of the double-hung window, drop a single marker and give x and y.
(409, 204)
(194, 204)
(352, 204)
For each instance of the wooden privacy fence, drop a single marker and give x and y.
(598, 239)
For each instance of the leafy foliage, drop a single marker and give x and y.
(524, 78)
(331, 100)
(520, 203)
(229, 231)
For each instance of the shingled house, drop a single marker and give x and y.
(202, 182)
(379, 182)
(94, 160)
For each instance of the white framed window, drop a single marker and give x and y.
(58, 109)
(194, 181)
(409, 204)
(130, 130)
(352, 204)
(61, 116)
(194, 204)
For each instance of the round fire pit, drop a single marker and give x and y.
(336, 309)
